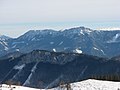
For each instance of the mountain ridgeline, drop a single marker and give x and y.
(45, 69)
(48, 58)
(85, 40)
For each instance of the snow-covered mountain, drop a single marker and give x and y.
(83, 85)
(79, 40)
(3, 37)
(4, 47)
(44, 69)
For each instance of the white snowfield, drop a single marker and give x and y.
(83, 85)
(13, 87)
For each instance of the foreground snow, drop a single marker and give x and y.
(13, 87)
(83, 85)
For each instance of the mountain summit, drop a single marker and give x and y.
(88, 41)
(3, 37)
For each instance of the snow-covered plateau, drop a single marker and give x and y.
(83, 85)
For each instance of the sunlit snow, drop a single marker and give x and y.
(83, 85)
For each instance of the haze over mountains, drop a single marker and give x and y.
(78, 40)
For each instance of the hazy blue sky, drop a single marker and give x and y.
(19, 16)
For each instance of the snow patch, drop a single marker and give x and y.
(6, 48)
(102, 52)
(61, 43)
(19, 67)
(5, 45)
(17, 42)
(13, 46)
(95, 48)
(34, 68)
(54, 50)
(29, 77)
(114, 39)
(33, 39)
(14, 87)
(81, 32)
(17, 50)
(51, 42)
(78, 51)
(55, 58)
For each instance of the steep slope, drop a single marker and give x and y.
(43, 69)
(4, 47)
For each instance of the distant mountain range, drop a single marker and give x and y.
(78, 40)
(44, 69)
